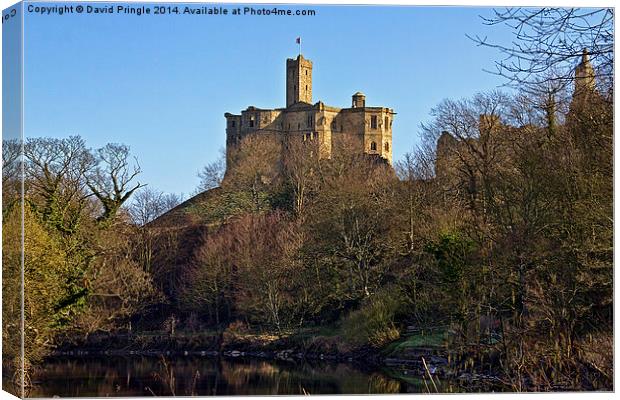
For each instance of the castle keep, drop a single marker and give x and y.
(372, 126)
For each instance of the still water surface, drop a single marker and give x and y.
(187, 376)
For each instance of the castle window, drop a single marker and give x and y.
(310, 121)
(373, 122)
(251, 122)
(298, 126)
(373, 146)
(386, 146)
(232, 123)
(387, 122)
(306, 88)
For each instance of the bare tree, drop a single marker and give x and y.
(149, 204)
(414, 172)
(349, 215)
(300, 164)
(212, 174)
(11, 172)
(11, 151)
(256, 169)
(55, 170)
(112, 181)
(547, 43)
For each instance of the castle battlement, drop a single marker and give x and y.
(372, 126)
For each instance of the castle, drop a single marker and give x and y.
(372, 126)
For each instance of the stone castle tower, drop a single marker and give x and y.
(371, 126)
(298, 81)
(585, 83)
(584, 74)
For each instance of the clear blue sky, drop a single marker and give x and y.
(162, 84)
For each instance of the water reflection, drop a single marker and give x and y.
(115, 376)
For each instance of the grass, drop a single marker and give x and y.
(435, 339)
(327, 330)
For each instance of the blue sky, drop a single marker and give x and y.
(162, 84)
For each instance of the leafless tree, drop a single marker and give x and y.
(11, 171)
(112, 180)
(300, 163)
(11, 151)
(149, 204)
(548, 42)
(256, 169)
(212, 174)
(54, 178)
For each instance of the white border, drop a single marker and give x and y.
(478, 3)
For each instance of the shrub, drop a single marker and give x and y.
(374, 323)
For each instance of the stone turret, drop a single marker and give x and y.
(585, 82)
(359, 100)
(584, 74)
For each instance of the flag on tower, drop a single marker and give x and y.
(298, 40)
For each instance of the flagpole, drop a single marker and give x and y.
(299, 45)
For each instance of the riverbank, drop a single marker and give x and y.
(420, 354)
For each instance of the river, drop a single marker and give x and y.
(203, 376)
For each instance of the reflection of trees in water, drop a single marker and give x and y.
(306, 378)
(258, 376)
(410, 382)
(378, 383)
(116, 376)
(167, 377)
(242, 375)
(93, 377)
